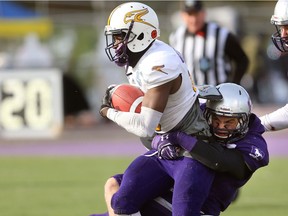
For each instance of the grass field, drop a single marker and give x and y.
(73, 186)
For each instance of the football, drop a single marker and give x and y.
(127, 98)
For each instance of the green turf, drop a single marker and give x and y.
(265, 194)
(72, 186)
(54, 186)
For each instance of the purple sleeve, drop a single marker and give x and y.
(254, 152)
(253, 146)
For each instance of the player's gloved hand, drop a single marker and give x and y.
(166, 149)
(106, 100)
(178, 138)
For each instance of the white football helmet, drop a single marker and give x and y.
(236, 102)
(280, 18)
(136, 23)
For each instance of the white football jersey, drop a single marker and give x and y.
(159, 65)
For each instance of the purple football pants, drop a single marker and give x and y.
(149, 177)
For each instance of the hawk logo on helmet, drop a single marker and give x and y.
(136, 16)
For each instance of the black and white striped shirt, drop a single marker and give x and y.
(213, 55)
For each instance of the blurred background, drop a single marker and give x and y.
(69, 36)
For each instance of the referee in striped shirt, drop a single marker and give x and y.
(212, 53)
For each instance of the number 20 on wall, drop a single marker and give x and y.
(30, 104)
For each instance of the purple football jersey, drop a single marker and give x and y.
(255, 152)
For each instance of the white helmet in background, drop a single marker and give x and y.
(136, 23)
(235, 103)
(280, 18)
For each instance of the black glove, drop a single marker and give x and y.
(106, 100)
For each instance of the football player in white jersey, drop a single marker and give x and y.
(170, 104)
(278, 119)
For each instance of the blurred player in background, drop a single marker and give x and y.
(278, 119)
(212, 53)
(170, 103)
(237, 152)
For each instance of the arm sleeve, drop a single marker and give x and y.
(276, 120)
(235, 52)
(141, 124)
(221, 159)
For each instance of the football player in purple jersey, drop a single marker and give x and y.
(236, 152)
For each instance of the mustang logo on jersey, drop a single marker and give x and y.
(136, 16)
(159, 68)
(256, 153)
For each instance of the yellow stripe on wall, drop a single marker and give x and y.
(18, 28)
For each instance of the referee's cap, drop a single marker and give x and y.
(192, 6)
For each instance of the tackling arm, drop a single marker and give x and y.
(213, 155)
(221, 159)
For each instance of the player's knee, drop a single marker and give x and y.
(111, 186)
(123, 205)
